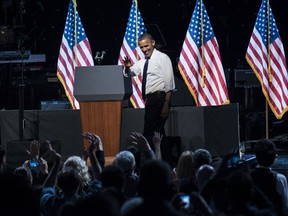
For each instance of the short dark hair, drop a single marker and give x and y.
(265, 151)
(201, 157)
(146, 36)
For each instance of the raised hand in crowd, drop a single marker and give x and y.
(33, 152)
(157, 144)
(143, 145)
(37, 165)
(95, 147)
(139, 140)
(41, 164)
(93, 139)
(50, 181)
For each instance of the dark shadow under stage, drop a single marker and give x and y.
(212, 128)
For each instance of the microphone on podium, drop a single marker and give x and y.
(102, 54)
(99, 56)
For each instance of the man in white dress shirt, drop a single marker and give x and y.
(273, 184)
(159, 86)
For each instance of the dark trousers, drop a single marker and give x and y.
(153, 120)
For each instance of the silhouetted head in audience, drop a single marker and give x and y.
(69, 181)
(26, 173)
(80, 165)
(101, 204)
(204, 174)
(113, 176)
(266, 152)
(201, 157)
(126, 160)
(185, 168)
(17, 197)
(137, 155)
(239, 190)
(155, 181)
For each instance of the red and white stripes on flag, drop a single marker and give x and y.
(75, 51)
(135, 28)
(200, 62)
(265, 55)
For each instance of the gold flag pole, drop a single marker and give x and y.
(202, 47)
(136, 25)
(75, 30)
(137, 56)
(269, 69)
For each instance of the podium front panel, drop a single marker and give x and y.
(101, 83)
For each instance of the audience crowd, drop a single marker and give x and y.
(140, 182)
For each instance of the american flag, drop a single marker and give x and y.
(200, 62)
(265, 55)
(135, 28)
(75, 51)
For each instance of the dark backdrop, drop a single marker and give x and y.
(41, 24)
(37, 25)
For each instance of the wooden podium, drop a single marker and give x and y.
(100, 91)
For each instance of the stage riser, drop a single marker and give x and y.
(213, 128)
(62, 126)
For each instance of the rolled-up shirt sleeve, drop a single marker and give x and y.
(168, 76)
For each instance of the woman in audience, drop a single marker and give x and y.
(184, 169)
(79, 164)
(271, 183)
(125, 159)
